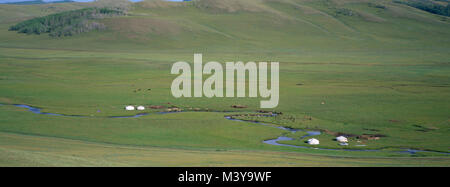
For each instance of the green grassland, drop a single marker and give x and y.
(346, 66)
(47, 151)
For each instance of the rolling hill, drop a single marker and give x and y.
(286, 24)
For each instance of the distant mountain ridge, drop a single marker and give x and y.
(30, 2)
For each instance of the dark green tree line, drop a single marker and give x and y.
(66, 23)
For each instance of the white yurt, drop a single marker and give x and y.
(313, 141)
(140, 108)
(129, 108)
(341, 139)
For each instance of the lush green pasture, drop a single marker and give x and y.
(383, 71)
(23, 150)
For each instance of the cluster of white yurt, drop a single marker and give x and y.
(313, 141)
(341, 139)
(131, 107)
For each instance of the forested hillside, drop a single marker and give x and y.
(66, 23)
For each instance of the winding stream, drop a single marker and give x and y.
(284, 138)
(38, 111)
(270, 142)
(316, 133)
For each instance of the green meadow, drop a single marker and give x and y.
(358, 68)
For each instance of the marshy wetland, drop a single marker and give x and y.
(275, 142)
